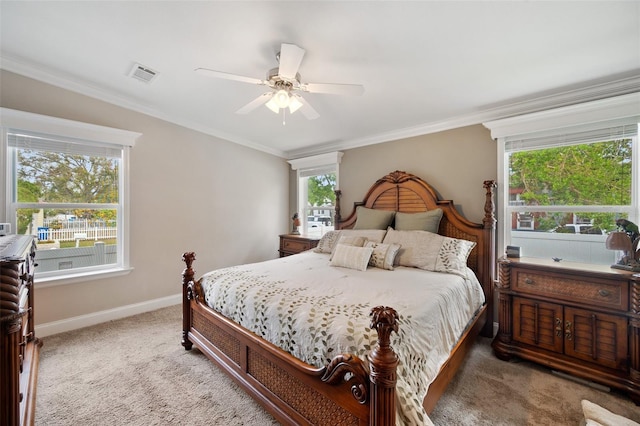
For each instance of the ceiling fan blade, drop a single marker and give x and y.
(260, 100)
(306, 109)
(333, 89)
(290, 60)
(227, 76)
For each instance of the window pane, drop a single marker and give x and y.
(565, 222)
(587, 174)
(320, 203)
(71, 238)
(53, 177)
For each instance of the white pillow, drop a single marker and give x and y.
(330, 239)
(351, 257)
(429, 251)
(383, 255)
(348, 240)
(595, 414)
(376, 235)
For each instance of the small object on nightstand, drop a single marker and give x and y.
(556, 259)
(296, 224)
(513, 251)
(627, 242)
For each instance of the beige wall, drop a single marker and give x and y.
(455, 162)
(189, 192)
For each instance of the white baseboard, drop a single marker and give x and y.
(74, 323)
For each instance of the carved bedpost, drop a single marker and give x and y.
(489, 220)
(187, 289)
(383, 362)
(338, 217)
(488, 277)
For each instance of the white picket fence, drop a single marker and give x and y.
(76, 233)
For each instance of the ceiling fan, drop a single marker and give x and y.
(286, 84)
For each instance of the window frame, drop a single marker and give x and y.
(14, 120)
(313, 166)
(566, 122)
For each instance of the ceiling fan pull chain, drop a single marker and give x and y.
(284, 112)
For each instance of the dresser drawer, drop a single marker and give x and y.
(597, 292)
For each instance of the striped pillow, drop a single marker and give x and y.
(351, 257)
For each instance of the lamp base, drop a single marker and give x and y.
(632, 268)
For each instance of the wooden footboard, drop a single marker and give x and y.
(348, 391)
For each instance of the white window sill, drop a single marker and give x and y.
(72, 278)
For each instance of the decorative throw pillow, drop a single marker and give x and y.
(327, 242)
(373, 219)
(348, 240)
(425, 221)
(383, 254)
(351, 257)
(376, 235)
(429, 251)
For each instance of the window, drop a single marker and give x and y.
(567, 176)
(67, 185)
(317, 182)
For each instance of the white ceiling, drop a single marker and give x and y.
(425, 65)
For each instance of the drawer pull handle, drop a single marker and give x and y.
(604, 293)
(558, 327)
(568, 332)
(529, 281)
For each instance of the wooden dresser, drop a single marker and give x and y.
(292, 244)
(19, 348)
(576, 318)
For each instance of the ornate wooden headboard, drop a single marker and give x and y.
(407, 193)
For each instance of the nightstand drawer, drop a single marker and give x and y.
(598, 292)
(295, 246)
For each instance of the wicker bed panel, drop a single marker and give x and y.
(311, 404)
(222, 340)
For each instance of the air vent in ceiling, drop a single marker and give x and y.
(142, 73)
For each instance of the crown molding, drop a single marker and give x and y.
(623, 86)
(85, 88)
(594, 92)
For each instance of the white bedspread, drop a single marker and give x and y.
(316, 311)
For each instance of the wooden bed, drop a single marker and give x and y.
(349, 390)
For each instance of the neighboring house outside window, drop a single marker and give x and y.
(67, 184)
(566, 176)
(317, 181)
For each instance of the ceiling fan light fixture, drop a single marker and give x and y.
(281, 98)
(272, 105)
(294, 104)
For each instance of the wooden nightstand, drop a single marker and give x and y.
(577, 318)
(292, 244)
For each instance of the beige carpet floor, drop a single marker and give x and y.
(135, 372)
